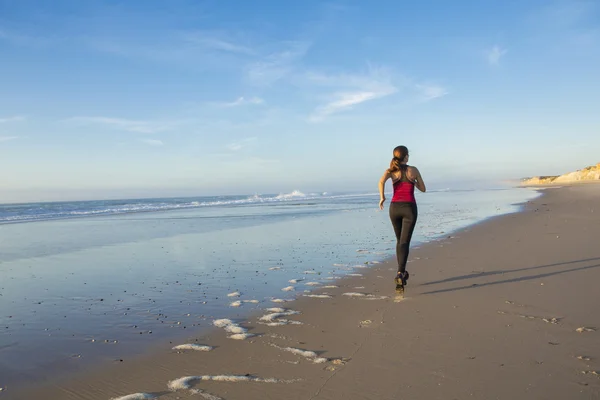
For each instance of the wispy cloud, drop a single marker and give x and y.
(241, 144)
(276, 65)
(152, 142)
(345, 101)
(495, 54)
(352, 90)
(215, 41)
(138, 126)
(7, 138)
(428, 92)
(240, 101)
(15, 118)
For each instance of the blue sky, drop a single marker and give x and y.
(157, 98)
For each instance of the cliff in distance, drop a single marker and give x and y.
(588, 174)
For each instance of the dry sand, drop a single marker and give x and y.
(491, 313)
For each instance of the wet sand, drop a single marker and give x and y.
(506, 309)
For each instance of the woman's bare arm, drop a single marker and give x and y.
(418, 180)
(386, 175)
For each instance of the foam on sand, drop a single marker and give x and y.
(364, 296)
(585, 329)
(135, 396)
(235, 304)
(311, 355)
(234, 294)
(295, 280)
(240, 336)
(277, 315)
(185, 382)
(353, 294)
(287, 289)
(329, 287)
(312, 283)
(355, 274)
(204, 394)
(319, 296)
(237, 332)
(280, 300)
(193, 346)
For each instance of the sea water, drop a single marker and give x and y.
(82, 282)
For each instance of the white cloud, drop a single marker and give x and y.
(15, 118)
(240, 101)
(7, 138)
(495, 54)
(344, 101)
(429, 92)
(277, 65)
(213, 41)
(240, 144)
(152, 142)
(353, 90)
(129, 125)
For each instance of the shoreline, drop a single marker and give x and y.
(332, 328)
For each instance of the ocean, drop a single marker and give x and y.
(87, 282)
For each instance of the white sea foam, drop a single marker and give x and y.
(221, 323)
(274, 268)
(287, 289)
(229, 326)
(339, 265)
(186, 381)
(359, 266)
(373, 297)
(276, 315)
(234, 294)
(250, 301)
(240, 336)
(355, 274)
(312, 283)
(235, 304)
(276, 309)
(364, 296)
(306, 354)
(280, 300)
(359, 287)
(204, 394)
(135, 396)
(193, 346)
(329, 287)
(295, 280)
(310, 272)
(235, 329)
(319, 296)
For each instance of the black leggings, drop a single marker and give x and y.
(404, 219)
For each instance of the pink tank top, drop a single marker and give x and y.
(404, 191)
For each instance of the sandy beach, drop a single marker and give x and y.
(506, 309)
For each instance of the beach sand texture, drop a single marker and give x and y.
(506, 309)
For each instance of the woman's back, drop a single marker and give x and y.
(404, 186)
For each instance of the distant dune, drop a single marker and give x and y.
(588, 174)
